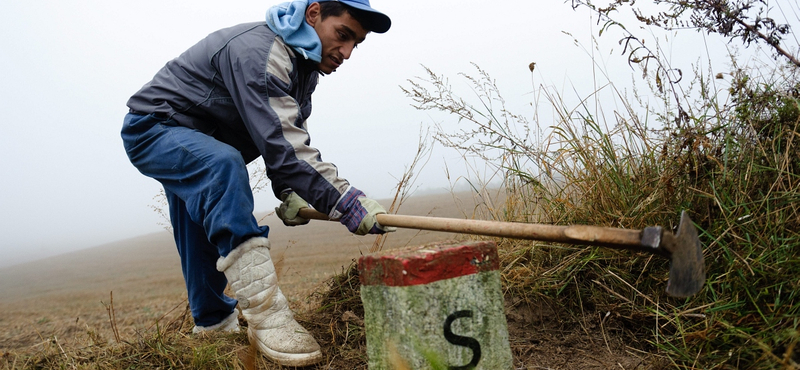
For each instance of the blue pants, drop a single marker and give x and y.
(210, 203)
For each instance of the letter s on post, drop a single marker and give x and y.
(458, 340)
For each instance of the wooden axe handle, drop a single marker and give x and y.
(575, 234)
(687, 268)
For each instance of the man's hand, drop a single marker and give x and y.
(358, 214)
(287, 211)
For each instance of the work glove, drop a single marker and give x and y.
(287, 211)
(358, 213)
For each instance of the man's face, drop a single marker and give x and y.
(339, 36)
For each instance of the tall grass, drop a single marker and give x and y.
(734, 167)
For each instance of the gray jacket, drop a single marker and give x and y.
(245, 86)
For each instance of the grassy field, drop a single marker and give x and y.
(61, 295)
(60, 312)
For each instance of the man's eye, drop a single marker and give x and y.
(342, 35)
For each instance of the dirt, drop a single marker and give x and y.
(542, 339)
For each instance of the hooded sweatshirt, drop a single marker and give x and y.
(288, 20)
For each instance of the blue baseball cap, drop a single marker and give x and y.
(375, 21)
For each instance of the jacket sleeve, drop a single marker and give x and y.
(259, 76)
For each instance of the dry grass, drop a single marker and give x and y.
(734, 168)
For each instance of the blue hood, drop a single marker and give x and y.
(288, 20)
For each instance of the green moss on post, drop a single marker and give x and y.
(435, 307)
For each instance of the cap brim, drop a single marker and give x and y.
(378, 22)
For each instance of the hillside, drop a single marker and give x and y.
(63, 295)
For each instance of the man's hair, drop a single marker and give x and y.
(335, 8)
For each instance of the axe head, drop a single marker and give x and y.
(687, 272)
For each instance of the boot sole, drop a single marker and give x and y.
(287, 359)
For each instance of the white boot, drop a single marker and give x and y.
(229, 324)
(271, 324)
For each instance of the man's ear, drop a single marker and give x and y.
(313, 14)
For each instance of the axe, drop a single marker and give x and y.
(686, 271)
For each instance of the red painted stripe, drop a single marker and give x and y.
(428, 263)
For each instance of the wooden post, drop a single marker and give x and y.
(435, 307)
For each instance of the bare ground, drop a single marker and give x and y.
(66, 299)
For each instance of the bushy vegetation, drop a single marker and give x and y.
(730, 157)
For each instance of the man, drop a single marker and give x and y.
(241, 93)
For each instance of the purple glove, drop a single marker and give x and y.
(358, 213)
